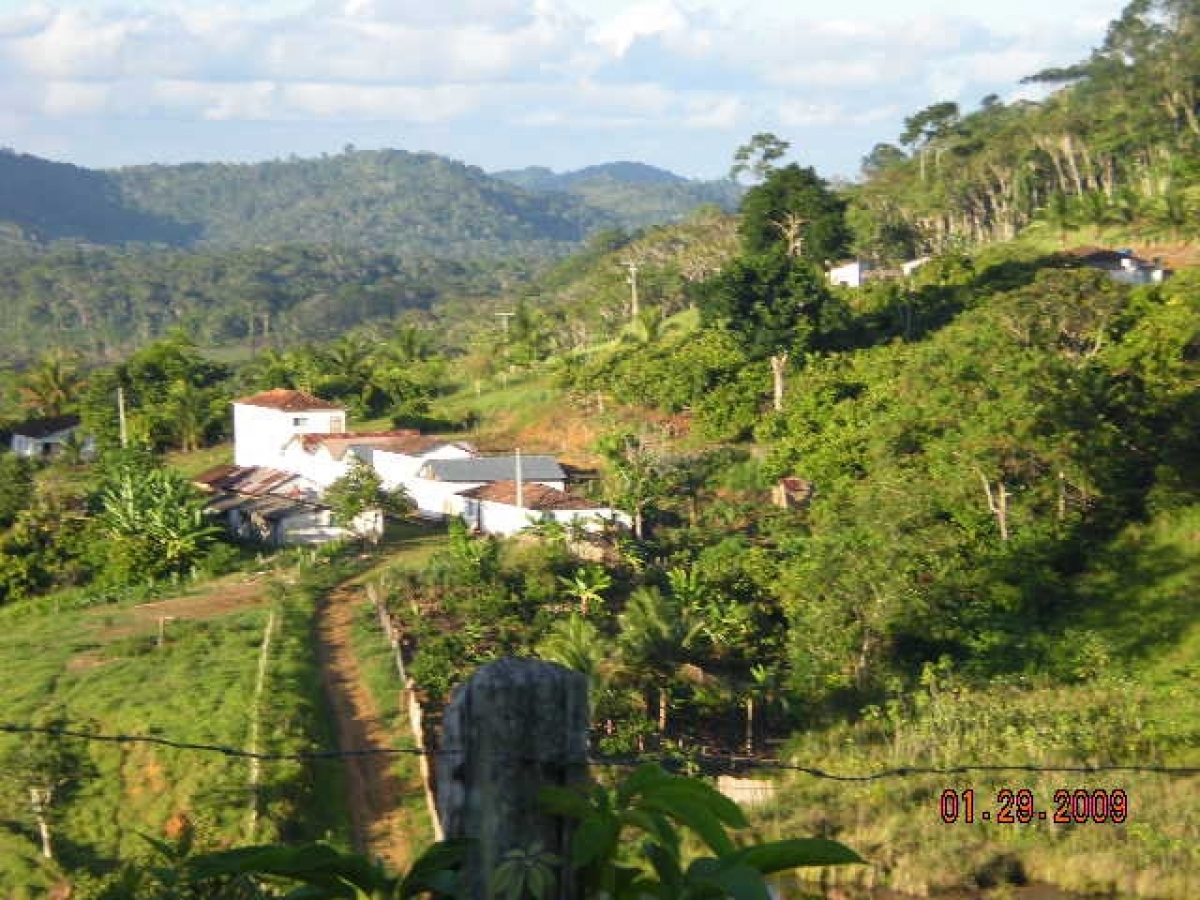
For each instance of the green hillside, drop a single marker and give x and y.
(385, 201)
(1116, 145)
(634, 194)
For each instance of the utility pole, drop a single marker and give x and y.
(634, 306)
(504, 317)
(520, 481)
(121, 416)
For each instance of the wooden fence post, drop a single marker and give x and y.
(514, 727)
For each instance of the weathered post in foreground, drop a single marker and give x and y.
(516, 726)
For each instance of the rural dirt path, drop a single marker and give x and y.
(380, 826)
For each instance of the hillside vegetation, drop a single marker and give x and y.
(944, 520)
(383, 201)
(1118, 144)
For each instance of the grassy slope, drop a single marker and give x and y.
(100, 666)
(1136, 709)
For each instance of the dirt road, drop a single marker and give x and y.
(381, 828)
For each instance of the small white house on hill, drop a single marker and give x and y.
(47, 437)
(848, 274)
(263, 424)
(502, 507)
(439, 484)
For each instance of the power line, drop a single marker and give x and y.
(729, 763)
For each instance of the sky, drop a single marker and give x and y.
(511, 83)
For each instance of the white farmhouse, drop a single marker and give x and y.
(848, 274)
(264, 424)
(440, 483)
(48, 437)
(501, 508)
(276, 507)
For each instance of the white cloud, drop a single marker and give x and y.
(695, 66)
(617, 34)
(717, 113)
(75, 98)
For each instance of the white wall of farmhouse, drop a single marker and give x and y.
(261, 433)
(492, 517)
(399, 469)
(317, 466)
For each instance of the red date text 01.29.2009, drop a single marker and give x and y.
(1017, 807)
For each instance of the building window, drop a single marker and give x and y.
(299, 421)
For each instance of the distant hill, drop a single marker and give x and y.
(385, 200)
(51, 200)
(635, 194)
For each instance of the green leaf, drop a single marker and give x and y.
(720, 805)
(741, 883)
(435, 870)
(560, 801)
(594, 839)
(695, 815)
(643, 778)
(777, 856)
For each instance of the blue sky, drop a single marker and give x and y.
(509, 83)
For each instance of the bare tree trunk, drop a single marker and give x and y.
(39, 799)
(664, 702)
(750, 723)
(778, 366)
(997, 504)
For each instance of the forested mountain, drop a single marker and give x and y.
(634, 193)
(50, 200)
(1117, 144)
(387, 200)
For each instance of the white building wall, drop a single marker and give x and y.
(437, 499)
(849, 275)
(318, 467)
(308, 528)
(261, 433)
(400, 468)
(593, 520)
(24, 445)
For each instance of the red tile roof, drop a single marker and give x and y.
(405, 441)
(287, 400)
(536, 496)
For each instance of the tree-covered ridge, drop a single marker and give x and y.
(415, 202)
(1118, 145)
(104, 301)
(386, 200)
(49, 201)
(634, 194)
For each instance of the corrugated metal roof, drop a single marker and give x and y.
(494, 468)
(408, 442)
(42, 428)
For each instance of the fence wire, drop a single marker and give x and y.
(708, 762)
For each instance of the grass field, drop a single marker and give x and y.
(102, 668)
(1138, 707)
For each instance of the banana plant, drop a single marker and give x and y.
(323, 873)
(628, 842)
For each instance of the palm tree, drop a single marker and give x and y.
(576, 643)
(655, 633)
(587, 586)
(51, 386)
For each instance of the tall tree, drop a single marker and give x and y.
(794, 208)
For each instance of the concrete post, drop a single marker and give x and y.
(514, 727)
